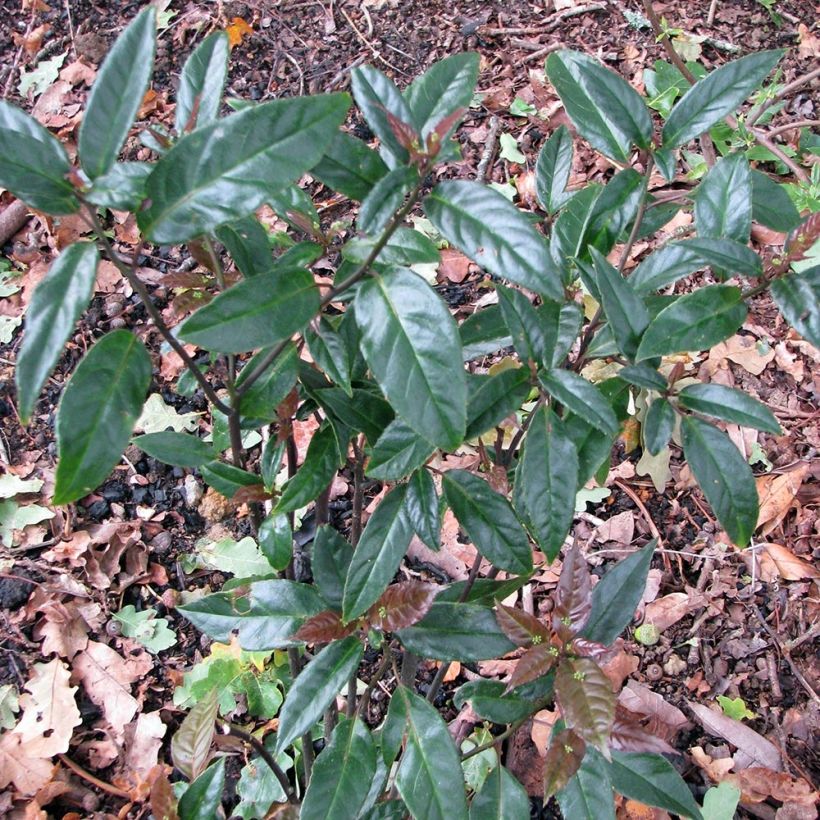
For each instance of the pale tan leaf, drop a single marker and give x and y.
(107, 679)
(49, 709)
(715, 768)
(777, 561)
(142, 741)
(752, 748)
(758, 784)
(776, 494)
(668, 610)
(29, 774)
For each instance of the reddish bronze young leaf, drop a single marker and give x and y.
(564, 758)
(628, 735)
(573, 596)
(534, 663)
(406, 135)
(325, 627)
(162, 800)
(521, 627)
(586, 700)
(401, 605)
(435, 138)
(592, 649)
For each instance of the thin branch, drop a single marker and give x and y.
(260, 749)
(757, 112)
(790, 126)
(636, 225)
(508, 732)
(129, 272)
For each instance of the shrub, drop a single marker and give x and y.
(386, 378)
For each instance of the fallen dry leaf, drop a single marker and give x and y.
(775, 561)
(788, 362)
(107, 677)
(758, 784)
(809, 43)
(541, 731)
(668, 610)
(752, 748)
(666, 720)
(143, 741)
(745, 351)
(715, 768)
(776, 494)
(620, 528)
(454, 265)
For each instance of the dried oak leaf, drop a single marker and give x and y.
(757, 784)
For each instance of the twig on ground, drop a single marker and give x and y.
(12, 218)
(94, 781)
(373, 50)
(489, 149)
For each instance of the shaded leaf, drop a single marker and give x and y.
(203, 798)
(456, 632)
(342, 774)
(398, 452)
(490, 701)
(489, 521)
(588, 794)
(583, 398)
(378, 554)
(501, 797)
(116, 94)
(421, 505)
(225, 170)
(798, 297)
(723, 200)
(330, 560)
(317, 471)
(729, 404)
(644, 376)
(552, 170)
(227, 479)
(256, 312)
(276, 540)
(429, 777)
(385, 198)
(695, 321)
(55, 307)
(492, 398)
(97, 413)
(349, 167)
(716, 95)
(482, 224)
(771, 205)
(658, 425)
(178, 449)
(247, 243)
(201, 83)
(317, 685)
(724, 476)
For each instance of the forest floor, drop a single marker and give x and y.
(739, 624)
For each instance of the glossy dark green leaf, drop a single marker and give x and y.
(116, 94)
(203, 798)
(489, 521)
(330, 559)
(349, 167)
(730, 405)
(422, 507)
(225, 170)
(276, 540)
(771, 205)
(652, 780)
(562, 324)
(177, 449)
(522, 320)
(387, 810)
(378, 554)
(444, 88)
(342, 774)
(569, 230)
(317, 685)
(644, 376)
(376, 95)
(385, 198)
(613, 210)
(552, 170)
(429, 778)
(316, 473)
(265, 613)
(55, 307)
(329, 351)
(679, 259)
(716, 95)
(33, 164)
(272, 454)
(201, 83)
(405, 247)
(481, 223)
(247, 243)
(546, 482)
(122, 187)
(798, 297)
(606, 110)
(398, 451)
(492, 398)
(501, 797)
(365, 411)
(227, 479)
(272, 387)
(582, 397)
(588, 795)
(724, 476)
(255, 312)
(617, 595)
(411, 343)
(695, 321)
(97, 413)
(456, 632)
(658, 425)
(624, 309)
(723, 200)
(484, 591)
(484, 332)
(489, 701)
